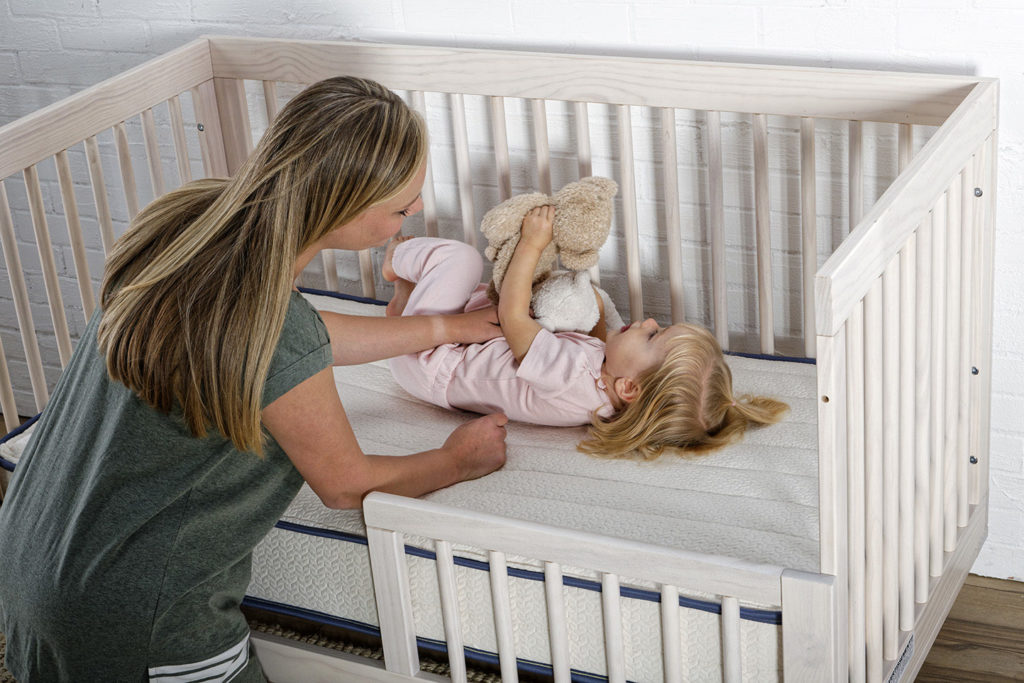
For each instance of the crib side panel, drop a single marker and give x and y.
(906, 341)
(72, 177)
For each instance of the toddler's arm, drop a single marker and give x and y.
(517, 287)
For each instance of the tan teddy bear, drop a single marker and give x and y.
(583, 216)
(583, 219)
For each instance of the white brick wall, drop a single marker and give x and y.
(50, 48)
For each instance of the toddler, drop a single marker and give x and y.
(642, 388)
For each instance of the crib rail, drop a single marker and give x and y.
(807, 600)
(904, 349)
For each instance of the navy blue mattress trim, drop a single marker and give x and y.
(426, 644)
(761, 616)
(4, 462)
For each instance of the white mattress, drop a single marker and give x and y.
(755, 501)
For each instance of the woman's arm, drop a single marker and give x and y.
(310, 424)
(517, 325)
(360, 339)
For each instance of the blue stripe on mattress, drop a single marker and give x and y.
(4, 462)
(762, 616)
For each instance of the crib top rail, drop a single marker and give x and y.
(59, 126)
(745, 88)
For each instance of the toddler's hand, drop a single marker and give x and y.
(537, 226)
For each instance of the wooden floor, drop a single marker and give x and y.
(983, 636)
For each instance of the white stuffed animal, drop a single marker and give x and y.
(565, 302)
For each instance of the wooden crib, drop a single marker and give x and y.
(726, 216)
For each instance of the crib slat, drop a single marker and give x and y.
(558, 631)
(19, 290)
(891, 459)
(952, 360)
(716, 225)
(502, 616)
(419, 103)
(366, 274)
(611, 610)
(74, 222)
(762, 210)
(964, 364)
(330, 264)
(904, 146)
(809, 228)
(156, 174)
(450, 610)
(53, 295)
(394, 601)
(908, 409)
(630, 227)
(922, 413)
(270, 100)
(465, 173)
(856, 163)
(732, 663)
(540, 143)
(582, 121)
(7, 402)
(180, 144)
(499, 133)
(99, 194)
(855, 494)
(124, 158)
(671, 652)
(873, 478)
(673, 228)
(938, 258)
(583, 161)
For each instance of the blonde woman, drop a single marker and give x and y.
(201, 397)
(642, 388)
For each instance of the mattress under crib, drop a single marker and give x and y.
(754, 501)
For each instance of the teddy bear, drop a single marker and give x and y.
(562, 300)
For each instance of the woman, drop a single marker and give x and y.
(201, 397)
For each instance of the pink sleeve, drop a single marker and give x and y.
(555, 362)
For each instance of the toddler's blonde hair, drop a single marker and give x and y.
(685, 403)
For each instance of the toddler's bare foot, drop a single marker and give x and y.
(403, 289)
(386, 268)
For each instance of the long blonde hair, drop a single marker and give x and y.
(685, 403)
(195, 294)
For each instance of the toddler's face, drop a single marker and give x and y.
(637, 348)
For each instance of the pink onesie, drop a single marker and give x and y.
(558, 383)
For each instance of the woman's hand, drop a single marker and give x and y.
(478, 446)
(474, 327)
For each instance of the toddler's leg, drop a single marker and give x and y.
(444, 274)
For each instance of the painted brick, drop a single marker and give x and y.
(79, 68)
(115, 36)
(460, 20)
(10, 70)
(29, 33)
(830, 30)
(54, 8)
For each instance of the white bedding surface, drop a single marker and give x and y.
(756, 500)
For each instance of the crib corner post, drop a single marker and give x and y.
(810, 628)
(394, 601)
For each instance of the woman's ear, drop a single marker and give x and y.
(626, 389)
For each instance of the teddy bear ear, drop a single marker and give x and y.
(506, 219)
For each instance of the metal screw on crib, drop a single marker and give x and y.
(202, 128)
(974, 460)
(978, 192)
(974, 371)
